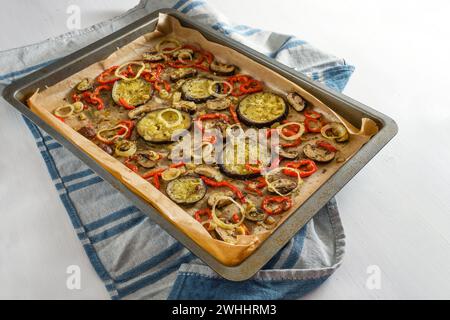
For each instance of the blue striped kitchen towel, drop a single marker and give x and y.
(134, 257)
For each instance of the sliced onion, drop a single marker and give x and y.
(119, 126)
(293, 137)
(78, 106)
(168, 40)
(219, 95)
(220, 223)
(118, 74)
(170, 124)
(184, 53)
(334, 127)
(131, 148)
(60, 113)
(171, 174)
(276, 170)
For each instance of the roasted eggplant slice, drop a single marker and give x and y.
(296, 101)
(262, 109)
(186, 190)
(232, 166)
(222, 69)
(158, 126)
(182, 73)
(135, 92)
(291, 154)
(186, 106)
(147, 159)
(218, 104)
(197, 90)
(318, 153)
(139, 111)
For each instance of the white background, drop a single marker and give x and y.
(396, 211)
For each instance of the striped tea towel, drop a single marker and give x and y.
(133, 256)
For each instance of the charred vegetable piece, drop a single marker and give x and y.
(296, 101)
(186, 190)
(186, 106)
(197, 90)
(255, 215)
(137, 112)
(182, 73)
(84, 85)
(158, 126)
(226, 235)
(318, 153)
(209, 172)
(231, 165)
(218, 104)
(134, 92)
(262, 109)
(283, 186)
(224, 197)
(88, 132)
(147, 159)
(106, 148)
(125, 148)
(222, 69)
(153, 56)
(292, 154)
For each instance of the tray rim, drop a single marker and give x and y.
(252, 264)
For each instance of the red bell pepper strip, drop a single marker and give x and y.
(251, 86)
(210, 116)
(103, 77)
(151, 173)
(98, 101)
(310, 114)
(253, 190)
(283, 204)
(312, 125)
(214, 183)
(294, 143)
(233, 113)
(130, 165)
(306, 167)
(129, 124)
(326, 145)
(158, 87)
(235, 218)
(156, 182)
(125, 104)
(202, 212)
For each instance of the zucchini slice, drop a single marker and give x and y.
(135, 92)
(262, 109)
(197, 90)
(186, 190)
(157, 126)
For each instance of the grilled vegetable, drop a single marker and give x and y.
(262, 109)
(218, 104)
(222, 69)
(84, 85)
(296, 101)
(147, 159)
(88, 132)
(182, 73)
(157, 126)
(317, 153)
(293, 154)
(283, 186)
(186, 190)
(197, 90)
(137, 112)
(125, 148)
(186, 106)
(134, 92)
(335, 131)
(255, 215)
(226, 235)
(153, 56)
(209, 172)
(232, 165)
(171, 174)
(221, 197)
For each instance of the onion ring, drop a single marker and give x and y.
(118, 74)
(334, 127)
(168, 40)
(295, 136)
(170, 124)
(219, 95)
(220, 223)
(58, 111)
(276, 170)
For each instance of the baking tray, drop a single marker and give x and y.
(17, 93)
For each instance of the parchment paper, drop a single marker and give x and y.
(44, 102)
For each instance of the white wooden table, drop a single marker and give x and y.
(401, 53)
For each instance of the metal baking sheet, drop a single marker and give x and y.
(17, 93)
